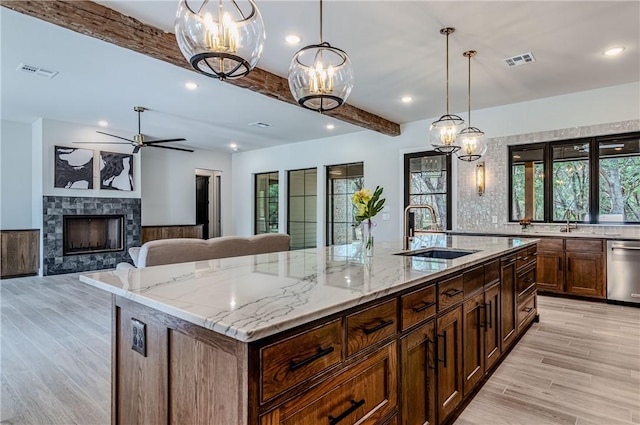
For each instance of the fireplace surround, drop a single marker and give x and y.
(84, 234)
(55, 208)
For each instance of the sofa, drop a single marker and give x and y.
(172, 251)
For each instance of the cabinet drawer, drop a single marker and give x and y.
(450, 292)
(526, 280)
(491, 272)
(370, 326)
(473, 280)
(585, 245)
(289, 362)
(525, 258)
(364, 394)
(551, 244)
(418, 306)
(527, 311)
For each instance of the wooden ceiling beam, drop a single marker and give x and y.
(95, 20)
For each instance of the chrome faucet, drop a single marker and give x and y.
(434, 219)
(568, 226)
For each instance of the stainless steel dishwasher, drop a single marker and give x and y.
(623, 271)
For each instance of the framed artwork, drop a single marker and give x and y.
(73, 168)
(116, 171)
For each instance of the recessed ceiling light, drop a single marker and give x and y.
(407, 99)
(614, 51)
(103, 123)
(259, 124)
(330, 126)
(233, 146)
(191, 85)
(293, 39)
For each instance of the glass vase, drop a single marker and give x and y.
(367, 238)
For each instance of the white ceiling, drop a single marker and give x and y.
(395, 47)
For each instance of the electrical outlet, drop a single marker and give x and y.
(139, 337)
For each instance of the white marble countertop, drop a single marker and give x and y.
(532, 233)
(249, 298)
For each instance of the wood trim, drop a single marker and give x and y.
(95, 20)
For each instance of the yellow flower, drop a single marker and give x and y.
(361, 197)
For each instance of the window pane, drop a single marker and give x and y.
(619, 180)
(570, 184)
(266, 203)
(342, 182)
(428, 186)
(302, 208)
(296, 183)
(527, 179)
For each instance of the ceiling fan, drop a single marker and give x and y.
(139, 139)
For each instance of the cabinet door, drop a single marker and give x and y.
(449, 332)
(418, 376)
(473, 311)
(550, 273)
(508, 323)
(492, 326)
(585, 274)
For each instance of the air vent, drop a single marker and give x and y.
(36, 70)
(519, 59)
(260, 124)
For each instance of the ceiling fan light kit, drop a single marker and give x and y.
(444, 131)
(222, 39)
(471, 138)
(321, 76)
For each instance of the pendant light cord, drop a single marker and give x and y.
(321, 22)
(469, 92)
(447, 72)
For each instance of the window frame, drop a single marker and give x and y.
(594, 176)
(315, 241)
(255, 199)
(329, 193)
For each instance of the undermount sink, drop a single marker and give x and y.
(435, 252)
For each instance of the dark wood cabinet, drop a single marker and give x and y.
(418, 363)
(492, 338)
(450, 376)
(20, 253)
(508, 319)
(574, 266)
(473, 318)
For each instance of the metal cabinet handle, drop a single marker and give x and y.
(482, 323)
(425, 305)
(530, 280)
(293, 365)
(453, 292)
(528, 309)
(383, 324)
(354, 406)
(626, 248)
(488, 315)
(444, 349)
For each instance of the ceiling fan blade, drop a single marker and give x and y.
(136, 149)
(167, 147)
(105, 143)
(164, 141)
(117, 137)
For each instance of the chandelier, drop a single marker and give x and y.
(320, 75)
(221, 39)
(471, 138)
(444, 131)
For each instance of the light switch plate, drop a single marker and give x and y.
(139, 337)
(385, 216)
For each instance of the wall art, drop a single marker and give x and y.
(116, 171)
(73, 168)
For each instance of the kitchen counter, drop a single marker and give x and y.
(252, 297)
(531, 233)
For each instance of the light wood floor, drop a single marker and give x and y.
(580, 365)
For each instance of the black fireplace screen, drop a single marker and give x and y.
(88, 234)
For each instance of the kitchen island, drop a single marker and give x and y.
(319, 335)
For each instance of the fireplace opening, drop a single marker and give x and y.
(88, 234)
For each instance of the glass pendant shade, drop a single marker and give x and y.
(320, 77)
(444, 131)
(473, 144)
(221, 39)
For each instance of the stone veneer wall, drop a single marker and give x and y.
(475, 212)
(55, 207)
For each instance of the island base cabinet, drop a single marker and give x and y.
(450, 375)
(508, 312)
(417, 358)
(492, 338)
(364, 394)
(473, 322)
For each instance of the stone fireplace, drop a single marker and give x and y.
(84, 234)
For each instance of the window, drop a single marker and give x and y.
(266, 203)
(592, 180)
(342, 182)
(527, 188)
(428, 182)
(302, 208)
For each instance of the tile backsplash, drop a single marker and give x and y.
(489, 212)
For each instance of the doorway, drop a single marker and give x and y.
(208, 183)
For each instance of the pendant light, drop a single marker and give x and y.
(320, 75)
(221, 39)
(444, 131)
(471, 138)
